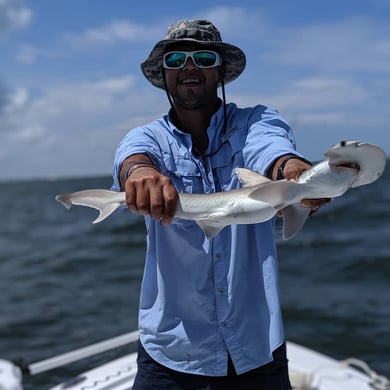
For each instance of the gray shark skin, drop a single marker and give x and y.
(348, 164)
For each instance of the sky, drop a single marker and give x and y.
(71, 85)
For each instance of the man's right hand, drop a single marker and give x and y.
(149, 192)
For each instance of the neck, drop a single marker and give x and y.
(195, 122)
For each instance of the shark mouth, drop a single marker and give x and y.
(349, 165)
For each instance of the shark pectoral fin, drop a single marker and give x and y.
(294, 217)
(250, 178)
(210, 228)
(106, 211)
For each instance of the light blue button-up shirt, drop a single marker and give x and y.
(202, 299)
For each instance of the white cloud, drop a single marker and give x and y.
(29, 134)
(63, 106)
(13, 15)
(358, 44)
(16, 101)
(233, 20)
(29, 54)
(85, 97)
(115, 32)
(73, 128)
(320, 93)
(311, 94)
(4, 98)
(111, 33)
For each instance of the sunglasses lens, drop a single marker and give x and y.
(175, 60)
(205, 59)
(202, 59)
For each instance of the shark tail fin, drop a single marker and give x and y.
(105, 201)
(294, 217)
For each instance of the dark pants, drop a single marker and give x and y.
(154, 376)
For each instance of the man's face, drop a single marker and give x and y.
(191, 86)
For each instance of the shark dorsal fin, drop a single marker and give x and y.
(250, 178)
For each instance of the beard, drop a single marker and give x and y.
(193, 98)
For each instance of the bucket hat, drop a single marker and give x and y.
(200, 32)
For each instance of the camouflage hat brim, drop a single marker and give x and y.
(233, 58)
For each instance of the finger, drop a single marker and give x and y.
(315, 203)
(156, 204)
(131, 197)
(312, 211)
(141, 202)
(170, 203)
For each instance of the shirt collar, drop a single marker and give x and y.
(215, 130)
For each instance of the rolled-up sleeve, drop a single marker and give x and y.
(137, 141)
(269, 137)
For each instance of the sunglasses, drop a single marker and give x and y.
(201, 58)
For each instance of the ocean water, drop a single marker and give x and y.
(66, 283)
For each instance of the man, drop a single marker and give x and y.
(209, 309)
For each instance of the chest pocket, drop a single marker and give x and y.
(183, 172)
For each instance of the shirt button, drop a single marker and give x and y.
(221, 290)
(218, 256)
(224, 324)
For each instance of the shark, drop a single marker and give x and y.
(348, 164)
